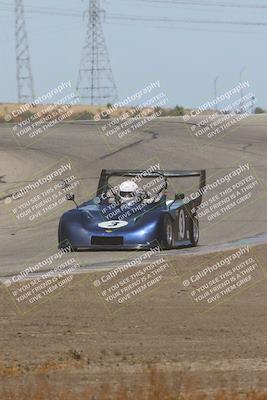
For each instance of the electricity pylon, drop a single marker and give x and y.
(96, 84)
(24, 72)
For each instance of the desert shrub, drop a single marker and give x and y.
(259, 110)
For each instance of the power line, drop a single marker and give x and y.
(141, 18)
(191, 29)
(153, 19)
(150, 19)
(204, 3)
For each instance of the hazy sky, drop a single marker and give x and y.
(185, 57)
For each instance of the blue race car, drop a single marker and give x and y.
(125, 216)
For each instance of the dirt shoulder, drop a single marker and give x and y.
(73, 339)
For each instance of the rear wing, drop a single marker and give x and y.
(107, 173)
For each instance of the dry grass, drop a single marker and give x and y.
(154, 385)
(78, 112)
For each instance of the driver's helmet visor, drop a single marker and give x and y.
(127, 195)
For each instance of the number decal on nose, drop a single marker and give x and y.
(112, 224)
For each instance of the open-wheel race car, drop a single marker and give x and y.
(127, 216)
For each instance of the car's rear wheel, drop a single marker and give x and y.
(193, 231)
(167, 233)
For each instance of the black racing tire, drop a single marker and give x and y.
(193, 231)
(168, 233)
(58, 235)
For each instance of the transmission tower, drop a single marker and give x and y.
(96, 83)
(24, 72)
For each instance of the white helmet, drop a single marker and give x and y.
(128, 191)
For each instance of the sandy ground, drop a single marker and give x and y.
(73, 338)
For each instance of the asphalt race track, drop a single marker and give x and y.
(167, 140)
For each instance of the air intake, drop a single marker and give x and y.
(107, 241)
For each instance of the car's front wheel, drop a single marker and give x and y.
(193, 231)
(167, 233)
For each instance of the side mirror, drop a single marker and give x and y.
(71, 197)
(179, 196)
